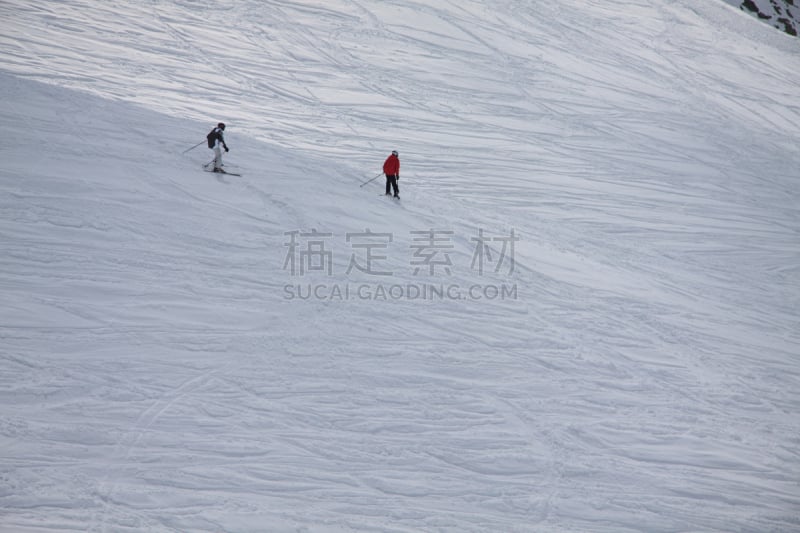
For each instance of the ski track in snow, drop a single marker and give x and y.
(156, 377)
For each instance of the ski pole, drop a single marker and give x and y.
(193, 147)
(373, 179)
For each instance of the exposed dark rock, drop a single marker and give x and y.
(783, 14)
(788, 26)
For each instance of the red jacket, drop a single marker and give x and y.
(392, 165)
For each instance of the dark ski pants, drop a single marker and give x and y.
(391, 181)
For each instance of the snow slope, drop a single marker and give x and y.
(161, 371)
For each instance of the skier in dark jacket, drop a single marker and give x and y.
(215, 141)
(391, 167)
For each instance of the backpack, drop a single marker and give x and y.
(212, 138)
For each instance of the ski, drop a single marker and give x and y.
(224, 172)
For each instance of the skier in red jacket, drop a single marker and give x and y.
(391, 167)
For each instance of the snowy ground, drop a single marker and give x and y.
(161, 371)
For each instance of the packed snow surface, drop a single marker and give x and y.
(583, 315)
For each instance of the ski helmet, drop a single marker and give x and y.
(221, 125)
(394, 153)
